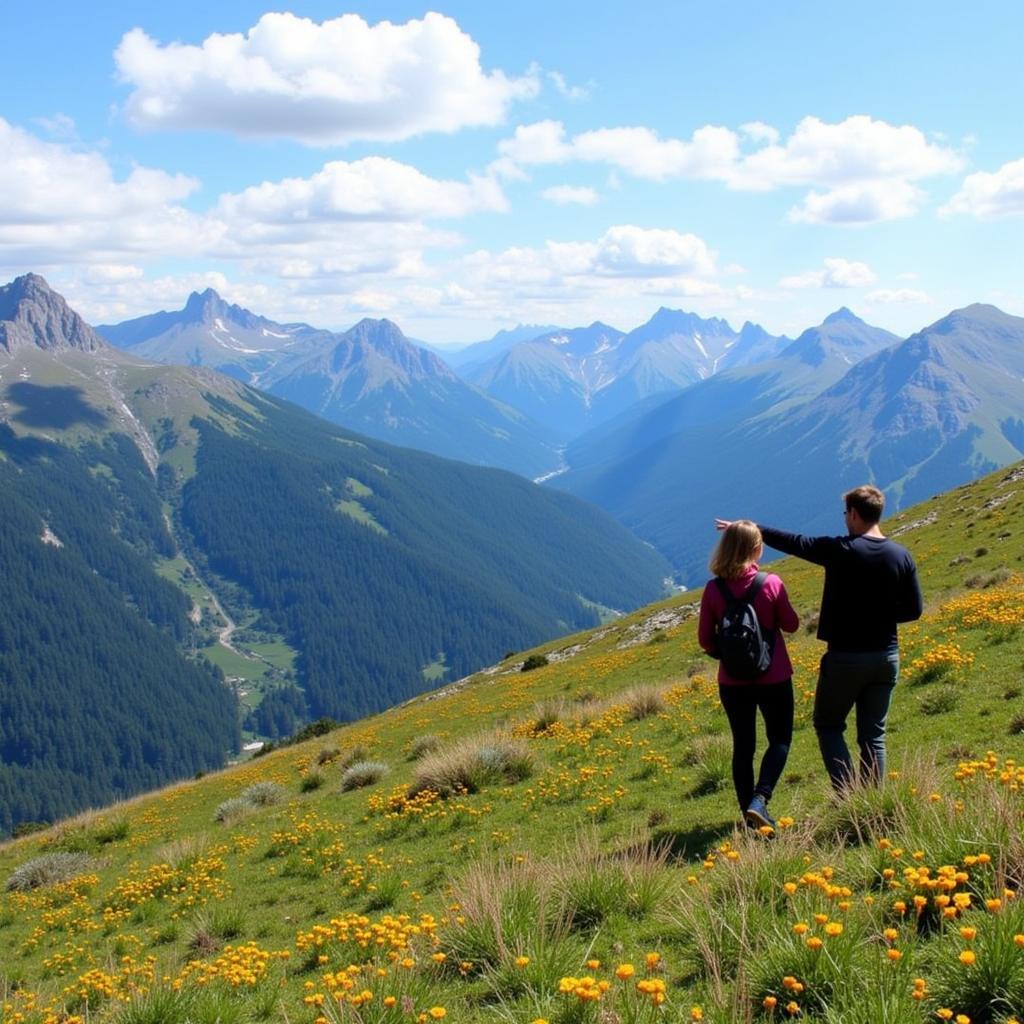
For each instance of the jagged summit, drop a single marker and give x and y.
(842, 315)
(33, 315)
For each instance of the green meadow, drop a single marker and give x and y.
(561, 844)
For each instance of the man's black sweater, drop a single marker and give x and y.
(870, 585)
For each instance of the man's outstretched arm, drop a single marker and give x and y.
(819, 550)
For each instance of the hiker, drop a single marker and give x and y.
(870, 585)
(754, 671)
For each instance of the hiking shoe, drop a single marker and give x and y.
(757, 813)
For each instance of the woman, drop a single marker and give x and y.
(734, 564)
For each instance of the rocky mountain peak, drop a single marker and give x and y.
(843, 315)
(204, 305)
(32, 314)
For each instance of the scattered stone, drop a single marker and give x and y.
(928, 520)
(999, 499)
(667, 618)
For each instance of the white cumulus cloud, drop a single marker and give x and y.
(865, 203)
(835, 273)
(989, 194)
(898, 296)
(63, 204)
(565, 195)
(375, 188)
(859, 170)
(320, 83)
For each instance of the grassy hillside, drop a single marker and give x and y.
(560, 844)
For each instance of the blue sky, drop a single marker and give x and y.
(468, 167)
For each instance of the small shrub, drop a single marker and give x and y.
(48, 869)
(27, 828)
(423, 745)
(232, 810)
(313, 779)
(1016, 726)
(534, 661)
(320, 727)
(264, 794)
(327, 755)
(363, 773)
(657, 817)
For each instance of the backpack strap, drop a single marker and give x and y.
(747, 597)
(755, 587)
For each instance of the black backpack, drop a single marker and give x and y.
(745, 648)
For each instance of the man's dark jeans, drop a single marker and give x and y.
(848, 680)
(741, 703)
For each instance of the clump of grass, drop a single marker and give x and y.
(711, 757)
(643, 701)
(984, 580)
(313, 779)
(473, 763)
(182, 853)
(157, 1006)
(591, 886)
(423, 745)
(363, 773)
(327, 755)
(354, 754)
(214, 926)
(940, 701)
(383, 891)
(550, 711)
(230, 811)
(264, 794)
(49, 869)
(88, 833)
(506, 908)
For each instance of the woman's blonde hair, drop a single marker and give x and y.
(736, 549)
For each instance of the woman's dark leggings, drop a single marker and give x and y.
(741, 703)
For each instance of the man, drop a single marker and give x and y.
(870, 585)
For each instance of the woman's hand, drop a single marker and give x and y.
(723, 524)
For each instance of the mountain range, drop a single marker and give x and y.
(780, 442)
(370, 378)
(571, 380)
(152, 512)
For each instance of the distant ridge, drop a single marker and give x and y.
(370, 378)
(916, 417)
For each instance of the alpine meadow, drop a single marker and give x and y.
(398, 407)
(559, 843)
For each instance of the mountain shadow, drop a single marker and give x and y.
(58, 407)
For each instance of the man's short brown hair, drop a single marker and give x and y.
(867, 500)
